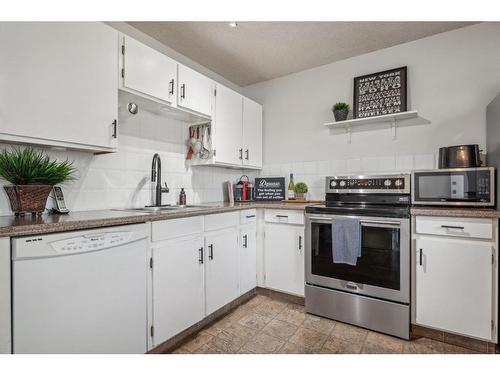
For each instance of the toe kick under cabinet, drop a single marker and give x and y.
(199, 264)
(455, 285)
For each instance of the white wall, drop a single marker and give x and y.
(451, 78)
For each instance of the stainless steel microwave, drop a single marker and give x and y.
(454, 187)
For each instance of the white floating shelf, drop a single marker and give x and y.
(392, 119)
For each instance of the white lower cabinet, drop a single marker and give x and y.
(284, 257)
(222, 276)
(178, 286)
(455, 285)
(248, 257)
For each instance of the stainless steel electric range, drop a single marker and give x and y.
(375, 293)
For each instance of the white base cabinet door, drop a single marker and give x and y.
(284, 258)
(222, 275)
(195, 92)
(455, 286)
(59, 83)
(178, 286)
(147, 71)
(248, 258)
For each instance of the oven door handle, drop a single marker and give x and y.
(367, 223)
(380, 224)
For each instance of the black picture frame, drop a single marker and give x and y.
(391, 105)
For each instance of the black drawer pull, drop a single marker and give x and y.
(452, 227)
(284, 216)
(250, 216)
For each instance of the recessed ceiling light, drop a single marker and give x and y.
(233, 24)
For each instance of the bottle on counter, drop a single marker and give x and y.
(182, 197)
(291, 188)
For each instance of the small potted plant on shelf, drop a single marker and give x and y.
(340, 111)
(32, 175)
(300, 191)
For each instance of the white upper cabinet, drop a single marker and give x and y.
(148, 72)
(59, 84)
(228, 126)
(195, 91)
(252, 133)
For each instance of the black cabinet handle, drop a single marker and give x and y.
(250, 216)
(211, 252)
(420, 258)
(452, 227)
(245, 241)
(183, 91)
(115, 124)
(300, 242)
(285, 216)
(241, 153)
(246, 154)
(200, 259)
(171, 88)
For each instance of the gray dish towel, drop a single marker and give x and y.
(346, 240)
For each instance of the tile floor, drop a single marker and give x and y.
(264, 325)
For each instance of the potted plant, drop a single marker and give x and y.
(340, 111)
(300, 191)
(32, 175)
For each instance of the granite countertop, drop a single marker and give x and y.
(490, 213)
(11, 226)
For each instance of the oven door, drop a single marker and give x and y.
(382, 271)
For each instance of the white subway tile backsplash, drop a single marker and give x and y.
(426, 161)
(353, 165)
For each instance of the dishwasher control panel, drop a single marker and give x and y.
(90, 242)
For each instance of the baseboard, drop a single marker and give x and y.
(281, 296)
(454, 339)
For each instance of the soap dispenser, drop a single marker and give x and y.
(182, 197)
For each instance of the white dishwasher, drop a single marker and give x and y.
(81, 292)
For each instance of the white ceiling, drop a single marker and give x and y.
(258, 51)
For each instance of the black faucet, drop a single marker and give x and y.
(156, 177)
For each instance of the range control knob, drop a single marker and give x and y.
(398, 182)
(333, 184)
(387, 183)
(342, 183)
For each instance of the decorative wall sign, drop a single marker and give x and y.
(270, 189)
(380, 93)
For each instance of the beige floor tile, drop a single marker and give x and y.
(290, 348)
(453, 349)
(319, 324)
(181, 350)
(296, 307)
(218, 346)
(379, 343)
(292, 315)
(350, 333)
(255, 301)
(237, 334)
(216, 327)
(197, 341)
(337, 346)
(254, 321)
(280, 329)
(308, 338)
(270, 308)
(423, 345)
(263, 344)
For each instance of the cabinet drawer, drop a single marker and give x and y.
(455, 226)
(284, 216)
(220, 221)
(248, 216)
(162, 230)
